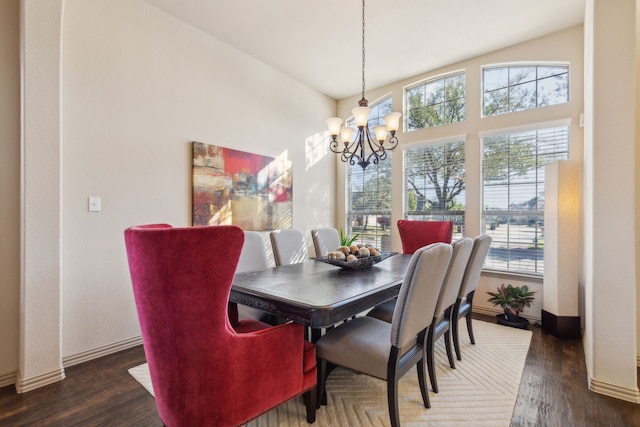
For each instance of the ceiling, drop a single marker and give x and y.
(318, 42)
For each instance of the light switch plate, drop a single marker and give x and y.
(94, 204)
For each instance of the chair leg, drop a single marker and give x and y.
(422, 380)
(447, 344)
(455, 318)
(310, 402)
(470, 327)
(392, 397)
(430, 361)
(468, 316)
(322, 376)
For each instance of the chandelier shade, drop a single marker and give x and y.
(363, 148)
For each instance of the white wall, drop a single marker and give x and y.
(610, 246)
(137, 87)
(565, 46)
(9, 188)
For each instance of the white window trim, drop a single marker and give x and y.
(445, 140)
(428, 79)
(525, 128)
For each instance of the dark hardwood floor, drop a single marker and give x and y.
(553, 392)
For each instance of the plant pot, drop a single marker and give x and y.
(513, 321)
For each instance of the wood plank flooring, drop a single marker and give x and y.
(553, 392)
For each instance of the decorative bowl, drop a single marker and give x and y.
(358, 264)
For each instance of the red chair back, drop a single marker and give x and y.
(203, 371)
(416, 234)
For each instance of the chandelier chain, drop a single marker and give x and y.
(363, 49)
(365, 146)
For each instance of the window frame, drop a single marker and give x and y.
(430, 80)
(381, 236)
(458, 230)
(533, 127)
(508, 66)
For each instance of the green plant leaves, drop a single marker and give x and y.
(512, 299)
(346, 240)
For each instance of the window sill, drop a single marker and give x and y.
(500, 274)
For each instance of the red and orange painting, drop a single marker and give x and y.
(232, 187)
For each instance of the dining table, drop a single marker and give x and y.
(317, 294)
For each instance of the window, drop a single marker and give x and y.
(434, 189)
(513, 195)
(436, 102)
(368, 198)
(522, 87)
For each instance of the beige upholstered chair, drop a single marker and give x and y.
(441, 324)
(288, 247)
(254, 255)
(325, 240)
(389, 350)
(414, 235)
(464, 303)
(252, 258)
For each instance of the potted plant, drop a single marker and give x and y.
(512, 299)
(346, 240)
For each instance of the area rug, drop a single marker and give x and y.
(481, 391)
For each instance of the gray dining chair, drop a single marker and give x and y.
(464, 302)
(325, 240)
(389, 350)
(288, 246)
(253, 258)
(441, 324)
(254, 253)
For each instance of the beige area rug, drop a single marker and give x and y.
(481, 391)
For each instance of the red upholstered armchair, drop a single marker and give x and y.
(206, 372)
(416, 234)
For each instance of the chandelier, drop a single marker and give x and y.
(355, 147)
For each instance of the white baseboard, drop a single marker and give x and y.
(100, 351)
(623, 393)
(8, 379)
(24, 385)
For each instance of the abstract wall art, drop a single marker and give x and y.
(232, 187)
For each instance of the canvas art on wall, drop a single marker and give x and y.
(232, 187)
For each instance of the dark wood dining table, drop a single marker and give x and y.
(318, 294)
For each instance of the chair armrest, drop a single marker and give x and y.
(271, 356)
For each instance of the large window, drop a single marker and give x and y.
(368, 198)
(434, 183)
(436, 102)
(522, 87)
(513, 195)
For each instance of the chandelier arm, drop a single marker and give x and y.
(349, 151)
(333, 146)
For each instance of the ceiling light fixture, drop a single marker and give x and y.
(354, 149)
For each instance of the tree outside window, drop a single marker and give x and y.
(436, 102)
(522, 87)
(435, 183)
